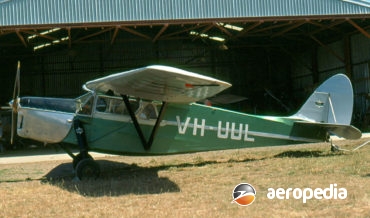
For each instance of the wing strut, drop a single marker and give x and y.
(146, 144)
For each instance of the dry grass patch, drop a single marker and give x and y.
(191, 185)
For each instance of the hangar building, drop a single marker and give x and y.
(274, 52)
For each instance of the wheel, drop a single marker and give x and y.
(87, 168)
(78, 158)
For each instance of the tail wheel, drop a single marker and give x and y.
(87, 169)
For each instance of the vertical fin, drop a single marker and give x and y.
(331, 102)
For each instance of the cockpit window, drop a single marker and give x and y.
(111, 105)
(148, 112)
(85, 104)
(114, 105)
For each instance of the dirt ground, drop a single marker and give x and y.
(40, 183)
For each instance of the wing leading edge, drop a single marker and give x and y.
(160, 83)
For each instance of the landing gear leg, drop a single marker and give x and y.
(83, 164)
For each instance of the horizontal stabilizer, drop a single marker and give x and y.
(341, 130)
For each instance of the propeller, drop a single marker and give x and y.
(14, 105)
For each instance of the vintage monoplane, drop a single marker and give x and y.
(151, 111)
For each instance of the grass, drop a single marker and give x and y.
(192, 185)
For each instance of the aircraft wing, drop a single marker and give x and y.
(341, 130)
(161, 83)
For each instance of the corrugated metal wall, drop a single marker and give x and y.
(301, 76)
(37, 12)
(57, 75)
(62, 74)
(329, 65)
(360, 50)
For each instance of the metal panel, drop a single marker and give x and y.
(360, 80)
(325, 75)
(38, 12)
(303, 88)
(301, 64)
(327, 60)
(360, 48)
(303, 83)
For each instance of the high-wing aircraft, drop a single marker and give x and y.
(151, 111)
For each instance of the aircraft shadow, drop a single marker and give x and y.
(116, 179)
(306, 154)
(119, 178)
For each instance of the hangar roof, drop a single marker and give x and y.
(46, 12)
(29, 25)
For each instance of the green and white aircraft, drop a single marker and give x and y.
(151, 111)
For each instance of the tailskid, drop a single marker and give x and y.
(336, 148)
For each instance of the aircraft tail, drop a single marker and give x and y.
(330, 107)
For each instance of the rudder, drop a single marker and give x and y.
(331, 102)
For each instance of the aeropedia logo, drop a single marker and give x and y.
(331, 192)
(244, 194)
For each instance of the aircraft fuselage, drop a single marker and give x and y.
(184, 127)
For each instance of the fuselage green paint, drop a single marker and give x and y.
(191, 128)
